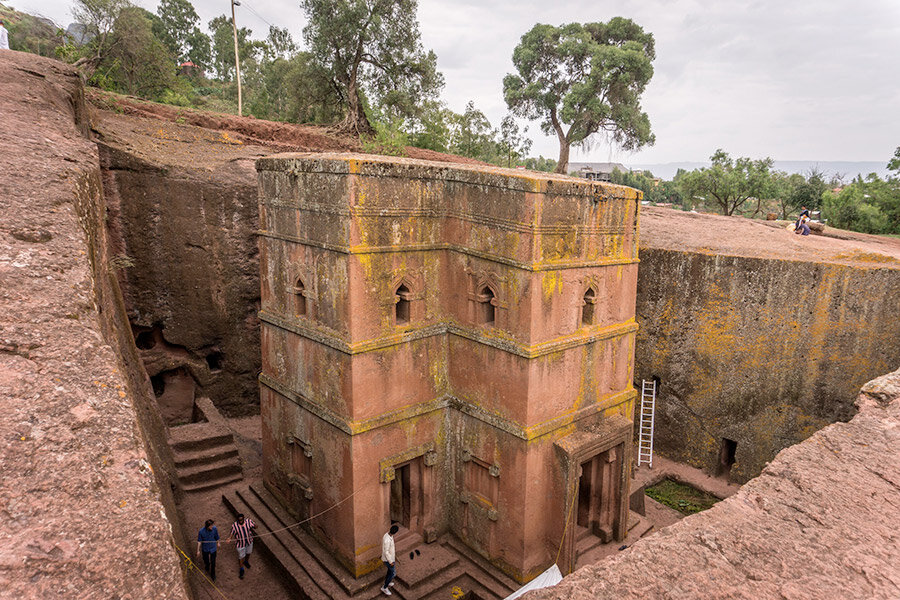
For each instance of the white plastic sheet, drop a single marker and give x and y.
(548, 578)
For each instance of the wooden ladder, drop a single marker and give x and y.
(648, 411)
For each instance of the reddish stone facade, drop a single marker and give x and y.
(448, 347)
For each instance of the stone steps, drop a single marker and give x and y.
(192, 458)
(317, 574)
(351, 586)
(210, 472)
(198, 436)
(301, 570)
(209, 484)
(205, 456)
(494, 582)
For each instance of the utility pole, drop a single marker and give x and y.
(237, 60)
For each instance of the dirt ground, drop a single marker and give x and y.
(262, 581)
(672, 229)
(200, 127)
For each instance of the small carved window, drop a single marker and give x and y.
(587, 307)
(486, 303)
(301, 459)
(402, 305)
(299, 298)
(481, 483)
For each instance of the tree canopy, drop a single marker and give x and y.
(373, 53)
(728, 183)
(581, 79)
(180, 31)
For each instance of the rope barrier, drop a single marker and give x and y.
(308, 519)
(194, 567)
(566, 528)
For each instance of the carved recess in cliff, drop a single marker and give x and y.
(190, 232)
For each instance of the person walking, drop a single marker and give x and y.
(242, 534)
(207, 545)
(4, 36)
(388, 556)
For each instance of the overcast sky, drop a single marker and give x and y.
(790, 79)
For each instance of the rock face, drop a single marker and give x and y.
(84, 514)
(758, 337)
(184, 223)
(819, 522)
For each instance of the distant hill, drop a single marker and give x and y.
(848, 169)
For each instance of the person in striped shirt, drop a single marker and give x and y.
(242, 534)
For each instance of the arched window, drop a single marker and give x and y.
(402, 305)
(486, 306)
(587, 307)
(299, 298)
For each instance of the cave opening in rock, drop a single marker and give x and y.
(145, 340)
(159, 385)
(214, 361)
(727, 452)
(175, 392)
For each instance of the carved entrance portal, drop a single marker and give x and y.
(409, 490)
(599, 494)
(596, 468)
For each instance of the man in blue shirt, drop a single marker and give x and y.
(208, 543)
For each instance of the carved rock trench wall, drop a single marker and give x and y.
(192, 281)
(86, 496)
(762, 352)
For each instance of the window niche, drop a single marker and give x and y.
(486, 309)
(587, 307)
(300, 474)
(481, 480)
(402, 305)
(300, 303)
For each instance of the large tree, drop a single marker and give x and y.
(372, 50)
(728, 183)
(581, 79)
(512, 143)
(137, 62)
(180, 30)
(98, 18)
(223, 46)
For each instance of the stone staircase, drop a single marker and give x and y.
(205, 454)
(315, 574)
(590, 549)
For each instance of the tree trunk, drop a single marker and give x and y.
(356, 122)
(562, 166)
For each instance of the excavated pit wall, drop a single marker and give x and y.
(762, 352)
(192, 287)
(86, 496)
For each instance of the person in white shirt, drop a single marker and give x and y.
(4, 36)
(388, 557)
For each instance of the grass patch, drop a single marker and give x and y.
(683, 498)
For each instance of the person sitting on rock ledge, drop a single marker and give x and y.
(801, 226)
